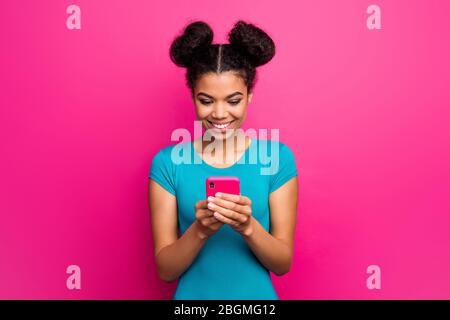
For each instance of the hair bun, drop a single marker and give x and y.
(196, 35)
(253, 42)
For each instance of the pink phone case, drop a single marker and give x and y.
(222, 184)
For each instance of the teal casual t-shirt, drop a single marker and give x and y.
(225, 268)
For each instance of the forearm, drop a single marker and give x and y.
(175, 258)
(273, 253)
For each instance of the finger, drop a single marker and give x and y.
(216, 225)
(239, 199)
(208, 221)
(203, 213)
(228, 213)
(226, 220)
(201, 204)
(231, 205)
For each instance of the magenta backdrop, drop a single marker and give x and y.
(366, 113)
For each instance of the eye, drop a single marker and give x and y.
(234, 102)
(205, 102)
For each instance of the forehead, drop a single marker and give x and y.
(220, 85)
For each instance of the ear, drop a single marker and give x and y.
(250, 96)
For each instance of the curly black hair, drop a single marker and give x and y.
(249, 47)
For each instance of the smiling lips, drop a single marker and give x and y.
(220, 126)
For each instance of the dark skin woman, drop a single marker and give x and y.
(221, 83)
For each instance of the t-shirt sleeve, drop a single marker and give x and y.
(161, 170)
(286, 169)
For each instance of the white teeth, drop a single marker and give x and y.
(221, 126)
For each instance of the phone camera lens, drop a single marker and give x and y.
(211, 185)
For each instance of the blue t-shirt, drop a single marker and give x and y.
(225, 268)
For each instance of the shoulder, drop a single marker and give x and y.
(283, 166)
(276, 146)
(164, 151)
(285, 149)
(282, 154)
(162, 157)
(173, 154)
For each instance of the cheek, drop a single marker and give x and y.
(201, 112)
(240, 112)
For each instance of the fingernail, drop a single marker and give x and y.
(210, 198)
(210, 205)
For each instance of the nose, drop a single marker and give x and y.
(219, 111)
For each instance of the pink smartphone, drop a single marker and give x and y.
(222, 184)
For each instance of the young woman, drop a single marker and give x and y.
(228, 244)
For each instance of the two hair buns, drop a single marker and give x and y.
(247, 39)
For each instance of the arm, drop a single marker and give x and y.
(275, 249)
(173, 256)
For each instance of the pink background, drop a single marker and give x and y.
(365, 112)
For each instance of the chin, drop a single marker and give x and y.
(221, 135)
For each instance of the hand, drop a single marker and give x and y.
(207, 223)
(235, 210)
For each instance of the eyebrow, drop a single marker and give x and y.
(227, 97)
